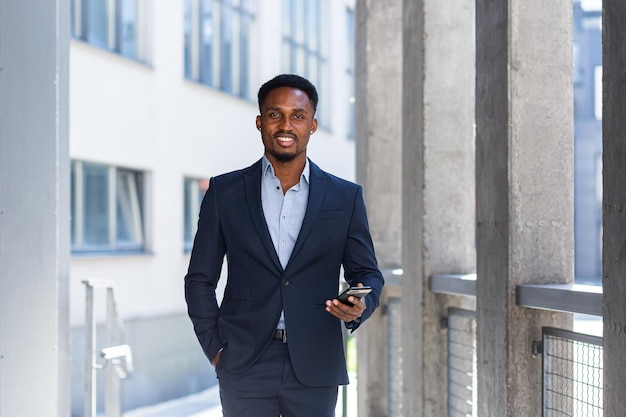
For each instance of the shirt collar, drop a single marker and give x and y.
(268, 169)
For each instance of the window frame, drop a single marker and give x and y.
(191, 208)
(306, 48)
(133, 209)
(114, 20)
(220, 51)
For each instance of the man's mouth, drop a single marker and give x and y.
(285, 140)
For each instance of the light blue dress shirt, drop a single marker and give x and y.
(283, 213)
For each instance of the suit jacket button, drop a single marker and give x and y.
(285, 282)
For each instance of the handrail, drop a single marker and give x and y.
(120, 354)
(453, 284)
(393, 284)
(117, 357)
(571, 298)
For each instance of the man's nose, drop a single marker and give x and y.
(285, 124)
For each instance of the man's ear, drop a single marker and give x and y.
(314, 125)
(258, 122)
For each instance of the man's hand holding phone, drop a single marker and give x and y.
(350, 304)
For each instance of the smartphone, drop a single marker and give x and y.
(358, 292)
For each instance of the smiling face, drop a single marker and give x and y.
(286, 123)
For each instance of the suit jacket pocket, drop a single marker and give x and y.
(234, 303)
(330, 214)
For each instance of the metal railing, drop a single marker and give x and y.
(572, 374)
(116, 357)
(391, 306)
(395, 384)
(462, 363)
(572, 362)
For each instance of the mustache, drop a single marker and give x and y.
(284, 134)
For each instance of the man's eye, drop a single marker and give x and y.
(273, 114)
(299, 116)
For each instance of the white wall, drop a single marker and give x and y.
(148, 117)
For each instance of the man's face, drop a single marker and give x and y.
(286, 123)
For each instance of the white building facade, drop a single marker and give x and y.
(162, 97)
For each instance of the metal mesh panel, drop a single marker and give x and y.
(572, 374)
(394, 311)
(461, 363)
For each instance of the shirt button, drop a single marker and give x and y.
(285, 282)
(284, 217)
(282, 244)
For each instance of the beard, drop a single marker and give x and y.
(283, 156)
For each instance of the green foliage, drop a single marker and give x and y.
(351, 353)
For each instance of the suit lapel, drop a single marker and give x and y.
(252, 181)
(316, 194)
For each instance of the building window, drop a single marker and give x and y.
(107, 208)
(350, 87)
(305, 47)
(587, 67)
(194, 193)
(218, 44)
(115, 25)
(598, 210)
(597, 90)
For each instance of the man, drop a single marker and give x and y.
(286, 227)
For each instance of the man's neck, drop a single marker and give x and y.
(289, 172)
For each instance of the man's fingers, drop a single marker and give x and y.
(345, 312)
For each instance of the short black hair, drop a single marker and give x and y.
(289, 80)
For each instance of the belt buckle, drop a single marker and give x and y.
(282, 335)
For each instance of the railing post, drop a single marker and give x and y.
(117, 357)
(90, 353)
(112, 387)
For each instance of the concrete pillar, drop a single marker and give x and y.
(34, 208)
(524, 189)
(378, 63)
(438, 187)
(614, 205)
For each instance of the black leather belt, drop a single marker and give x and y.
(280, 334)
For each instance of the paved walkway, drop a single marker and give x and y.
(207, 404)
(202, 404)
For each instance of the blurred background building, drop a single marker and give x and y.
(162, 97)
(587, 55)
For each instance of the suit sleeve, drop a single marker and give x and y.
(359, 260)
(203, 274)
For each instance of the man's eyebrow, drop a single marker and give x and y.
(296, 110)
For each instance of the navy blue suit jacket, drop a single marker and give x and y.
(334, 233)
